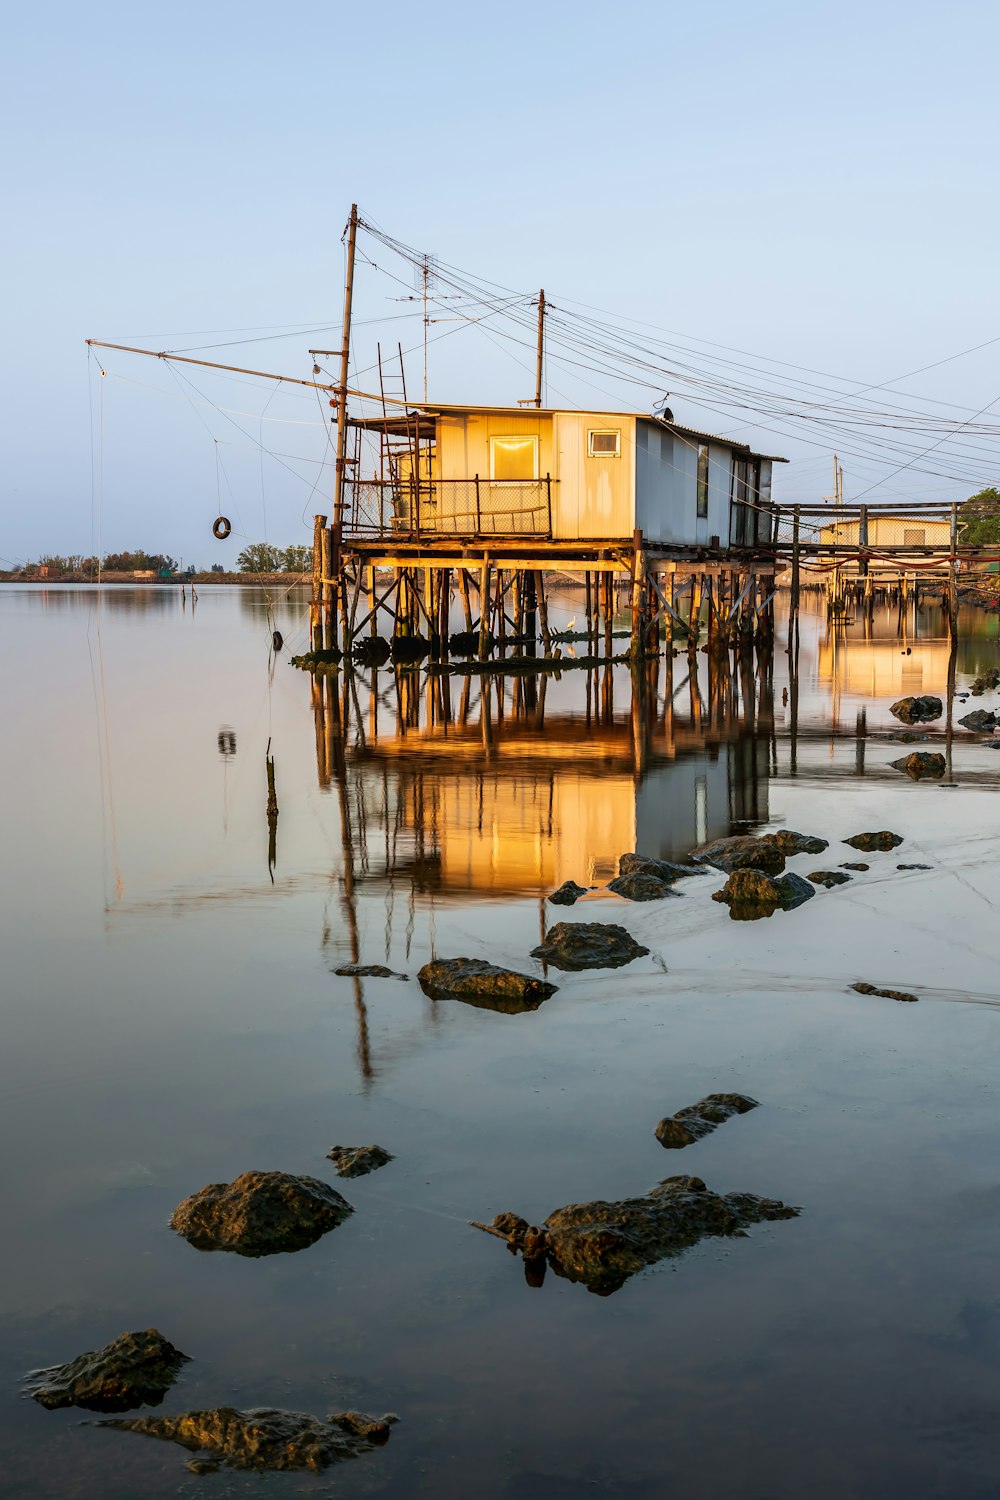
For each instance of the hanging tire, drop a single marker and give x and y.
(277, 640)
(221, 528)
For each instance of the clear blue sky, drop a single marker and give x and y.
(816, 183)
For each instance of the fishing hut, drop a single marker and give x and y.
(496, 499)
(492, 501)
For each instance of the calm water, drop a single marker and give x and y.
(170, 1018)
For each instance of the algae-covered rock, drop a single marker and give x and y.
(483, 984)
(260, 1213)
(264, 1437)
(742, 852)
(367, 971)
(920, 763)
(828, 878)
(371, 651)
(588, 945)
(918, 710)
(875, 843)
(409, 648)
(568, 893)
(854, 865)
(662, 869)
(792, 890)
(602, 1244)
(135, 1369)
(987, 682)
(639, 886)
(872, 989)
(358, 1161)
(751, 895)
(980, 721)
(697, 1120)
(315, 661)
(749, 888)
(790, 842)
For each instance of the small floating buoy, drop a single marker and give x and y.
(221, 528)
(277, 640)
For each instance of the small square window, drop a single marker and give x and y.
(604, 444)
(914, 536)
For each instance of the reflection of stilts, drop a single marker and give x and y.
(272, 814)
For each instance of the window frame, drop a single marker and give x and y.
(702, 482)
(513, 437)
(614, 432)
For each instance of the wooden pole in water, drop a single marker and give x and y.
(953, 575)
(463, 581)
(328, 587)
(315, 611)
(484, 607)
(793, 606)
(543, 612)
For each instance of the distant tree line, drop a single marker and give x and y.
(259, 557)
(114, 562)
(262, 557)
(979, 518)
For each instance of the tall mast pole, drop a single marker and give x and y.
(541, 348)
(345, 355)
(426, 272)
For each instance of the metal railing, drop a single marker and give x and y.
(848, 530)
(449, 507)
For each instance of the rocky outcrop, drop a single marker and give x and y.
(135, 1369)
(663, 869)
(854, 865)
(568, 893)
(371, 651)
(791, 843)
(588, 945)
(264, 1437)
(698, 1120)
(793, 890)
(368, 971)
(741, 853)
(873, 989)
(918, 710)
(989, 680)
(358, 1161)
(914, 867)
(980, 721)
(750, 894)
(602, 1244)
(639, 886)
(749, 888)
(476, 982)
(828, 878)
(875, 843)
(260, 1213)
(920, 764)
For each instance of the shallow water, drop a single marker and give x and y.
(170, 1018)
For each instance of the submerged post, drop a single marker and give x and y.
(793, 605)
(484, 607)
(315, 611)
(953, 576)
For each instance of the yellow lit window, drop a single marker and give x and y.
(514, 458)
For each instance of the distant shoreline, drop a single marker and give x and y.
(124, 580)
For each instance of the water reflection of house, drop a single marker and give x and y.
(874, 669)
(540, 804)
